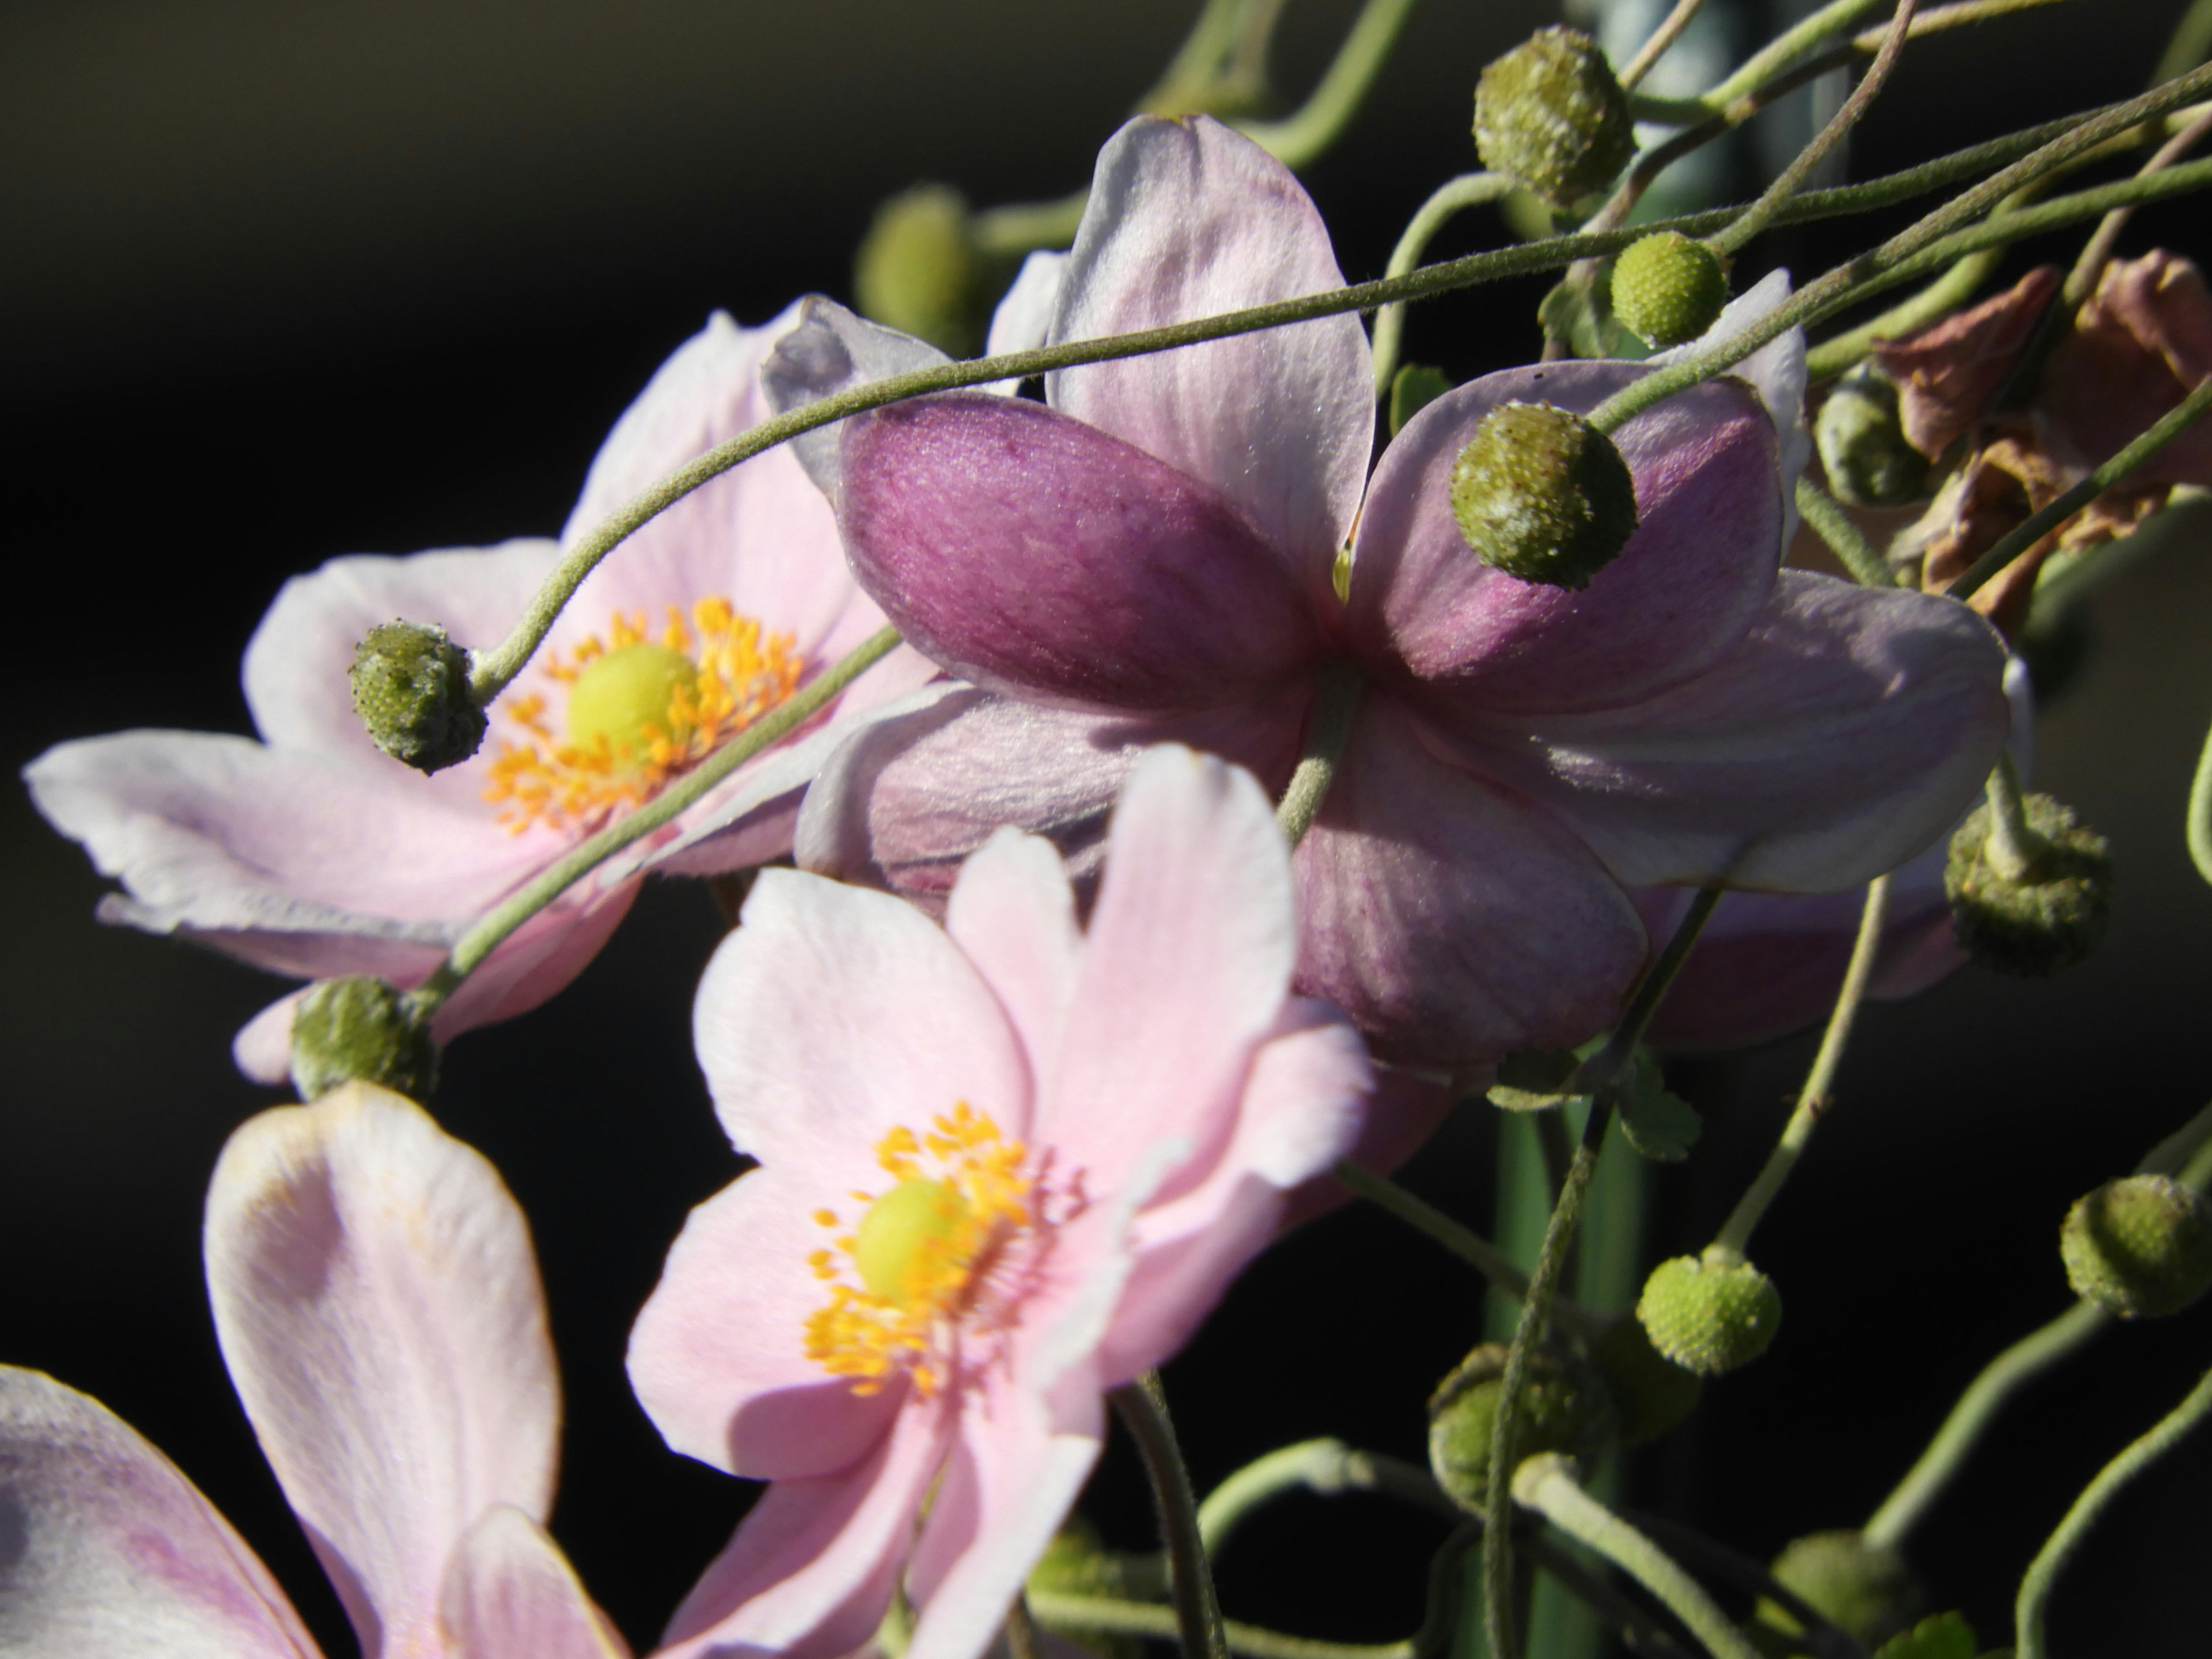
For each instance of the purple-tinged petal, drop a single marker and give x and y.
(1454, 920)
(1013, 914)
(510, 1594)
(1023, 549)
(378, 1305)
(106, 1550)
(831, 349)
(1680, 594)
(1776, 371)
(1188, 219)
(1846, 731)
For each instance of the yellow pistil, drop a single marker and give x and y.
(918, 1251)
(639, 712)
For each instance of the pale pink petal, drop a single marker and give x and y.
(263, 1048)
(1023, 549)
(1023, 320)
(827, 350)
(378, 1305)
(1013, 914)
(1188, 219)
(811, 1571)
(1405, 1109)
(718, 1355)
(106, 1551)
(1849, 729)
(1776, 371)
(1701, 563)
(510, 1594)
(1451, 918)
(833, 1015)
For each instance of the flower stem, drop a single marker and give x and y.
(1860, 557)
(1298, 140)
(1326, 1466)
(1336, 702)
(1545, 1485)
(1945, 295)
(496, 924)
(2042, 1572)
(2082, 279)
(1468, 190)
(1143, 1408)
(1813, 1100)
(1801, 40)
(2014, 848)
(1655, 46)
(1595, 1074)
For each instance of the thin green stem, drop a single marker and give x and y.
(1298, 140)
(1813, 1099)
(2185, 1154)
(1782, 53)
(1860, 557)
(1939, 299)
(1197, 63)
(1594, 1075)
(1546, 1485)
(1655, 47)
(2190, 40)
(1336, 704)
(1325, 1466)
(2013, 846)
(1142, 1407)
(485, 937)
(2090, 262)
(1468, 190)
(1106, 1615)
(2050, 1561)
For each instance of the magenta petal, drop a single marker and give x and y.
(1451, 919)
(1020, 549)
(510, 1593)
(1702, 561)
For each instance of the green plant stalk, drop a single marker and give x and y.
(1336, 705)
(1468, 190)
(2050, 1561)
(2013, 845)
(1594, 1075)
(2190, 41)
(1326, 1467)
(1545, 1484)
(1655, 45)
(1939, 299)
(1782, 53)
(1299, 140)
(1813, 1100)
(1463, 1241)
(1143, 1408)
(1834, 526)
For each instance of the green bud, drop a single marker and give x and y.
(1413, 389)
(2036, 922)
(1945, 1636)
(1668, 287)
(361, 1029)
(1863, 445)
(1543, 495)
(1550, 114)
(1652, 1393)
(2139, 1246)
(1077, 1563)
(1709, 1314)
(410, 688)
(1864, 1591)
(919, 269)
(1566, 1408)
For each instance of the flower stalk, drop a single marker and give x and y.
(1142, 1407)
(1336, 703)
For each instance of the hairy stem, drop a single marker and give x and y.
(1668, 32)
(1326, 1466)
(1336, 704)
(1468, 190)
(1300, 139)
(1845, 540)
(1142, 1407)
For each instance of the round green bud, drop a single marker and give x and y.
(1652, 1393)
(1543, 495)
(1566, 1408)
(1668, 287)
(1709, 1314)
(410, 688)
(1863, 445)
(1550, 115)
(1865, 1590)
(361, 1030)
(919, 269)
(2035, 921)
(2139, 1246)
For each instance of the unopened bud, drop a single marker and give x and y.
(1863, 445)
(360, 1029)
(1709, 1314)
(1543, 495)
(2139, 1246)
(2036, 920)
(1668, 287)
(919, 269)
(1550, 114)
(1652, 1393)
(1864, 1590)
(1564, 1408)
(410, 688)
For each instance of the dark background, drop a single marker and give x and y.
(282, 281)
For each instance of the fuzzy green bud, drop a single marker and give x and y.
(1709, 1314)
(1668, 287)
(1550, 115)
(361, 1029)
(410, 688)
(2034, 922)
(919, 269)
(1863, 1590)
(1652, 1392)
(1863, 445)
(1566, 1408)
(2139, 1246)
(1543, 495)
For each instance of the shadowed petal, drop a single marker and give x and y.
(1024, 317)
(509, 1593)
(831, 349)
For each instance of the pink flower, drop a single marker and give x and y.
(1005, 1166)
(1149, 554)
(378, 1307)
(312, 853)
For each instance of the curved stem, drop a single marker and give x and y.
(1655, 47)
(1834, 526)
(1336, 701)
(1813, 1099)
(1326, 1466)
(1110, 1616)
(1733, 1566)
(2082, 279)
(1783, 51)
(1142, 1407)
(2190, 40)
(1945, 295)
(2042, 1572)
(1298, 140)
(1468, 190)
(1545, 1485)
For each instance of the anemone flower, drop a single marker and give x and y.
(1150, 553)
(378, 1307)
(310, 852)
(1005, 1167)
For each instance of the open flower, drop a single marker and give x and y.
(1149, 554)
(1005, 1166)
(378, 1307)
(310, 852)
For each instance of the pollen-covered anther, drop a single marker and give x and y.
(638, 712)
